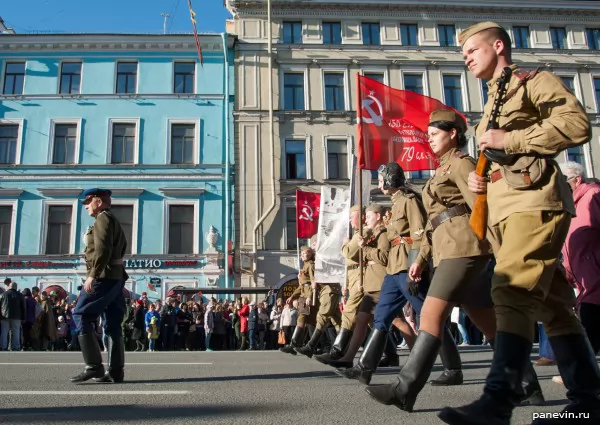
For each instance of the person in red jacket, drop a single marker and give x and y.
(244, 312)
(581, 251)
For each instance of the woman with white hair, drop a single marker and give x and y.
(581, 251)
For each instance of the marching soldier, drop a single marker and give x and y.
(102, 292)
(461, 262)
(352, 289)
(530, 209)
(306, 285)
(375, 249)
(405, 231)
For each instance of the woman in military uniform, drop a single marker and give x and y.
(306, 285)
(459, 258)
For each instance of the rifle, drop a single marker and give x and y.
(479, 214)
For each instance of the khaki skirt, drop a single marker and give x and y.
(369, 302)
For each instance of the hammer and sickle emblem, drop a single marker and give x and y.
(306, 212)
(372, 116)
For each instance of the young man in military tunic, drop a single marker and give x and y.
(102, 292)
(352, 289)
(530, 211)
(306, 285)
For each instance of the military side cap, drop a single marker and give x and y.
(375, 208)
(474, 29)
(95, 192)
(449, 115)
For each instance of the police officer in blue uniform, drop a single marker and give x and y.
(102, 292)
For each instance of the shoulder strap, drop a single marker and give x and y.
(437, 199)
(523, 78)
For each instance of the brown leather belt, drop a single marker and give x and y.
(400, 239)
(353, 267)
(455, 211)
(495, 176)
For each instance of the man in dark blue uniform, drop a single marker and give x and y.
(102, 292)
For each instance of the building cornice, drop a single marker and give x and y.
(54, 192)
(139, 98)
(111, 177)
(10, 193)
(114, 42)
(126, 192)
(181, 191)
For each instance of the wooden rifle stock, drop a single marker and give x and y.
(479, 212)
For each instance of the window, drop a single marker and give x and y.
(332, 33)
(453, 92)
(6, 214)
(337, 159)
(58, 236)
(183, 81)
(559, 37)
(123, 143)
(292, 32)
(521, 36)
(126, 77)
(377, 76)
(371, 34)
(124, 214)
(414, 83)
(596, 90)
(408, 34)
(593, 38)
(14, 78)
(295, 159)
(290, 227)
(293, 91)
(569, 82)
(70, 78)
(576, 154)
(182, 143)
(9, 134)
(447, 35)
(181, 229)
(334, 92)
(484, 91)
(64, 144)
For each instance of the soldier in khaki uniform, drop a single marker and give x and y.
(353, 289)
(306, 285)
(405, 231)
(375, 249)
(530, 212)
(460, 262)
(103, 291)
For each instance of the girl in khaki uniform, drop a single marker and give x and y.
(460, 262)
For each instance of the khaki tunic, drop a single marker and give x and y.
(105, 244)
(454, 238)
(304, 290)
(375, 257)
(542, 118)
(407, 221)
(350, 252)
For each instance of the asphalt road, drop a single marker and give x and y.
(262, 387)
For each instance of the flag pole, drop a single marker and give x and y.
(359, 171)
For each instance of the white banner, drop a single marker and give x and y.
(333, 228)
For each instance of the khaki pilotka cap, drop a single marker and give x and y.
(474, 29)
(449, 116)
(375, 208)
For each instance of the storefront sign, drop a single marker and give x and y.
(38, 264)
(155, 263)
(288, 289)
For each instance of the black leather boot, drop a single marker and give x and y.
(413, 376)
(503, 386)
(532, 391)
(297, 340)
(452, 374)
(339, 347)
(116, 361)
(390, 356)
(309, 349)
(367, 364)
(92, 358)
(579, 370)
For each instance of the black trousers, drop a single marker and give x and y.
(590, 320)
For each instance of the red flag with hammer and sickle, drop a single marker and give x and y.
(392, 126)
(307, 213)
